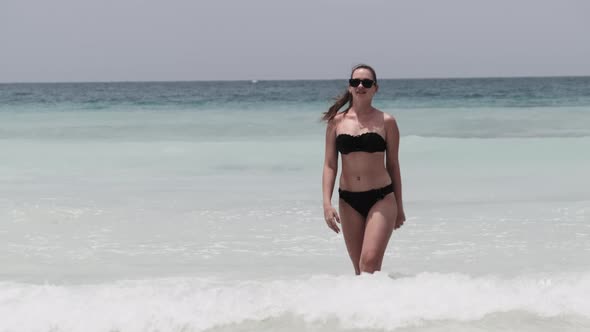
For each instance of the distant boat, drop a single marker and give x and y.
(254, 81)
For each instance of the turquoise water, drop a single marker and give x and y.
(196, 206)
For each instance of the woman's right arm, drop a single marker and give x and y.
(329, 176)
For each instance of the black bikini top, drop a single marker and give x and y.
(367, 142)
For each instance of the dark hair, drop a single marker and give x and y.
(347, 96)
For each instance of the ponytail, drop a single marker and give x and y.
(338, 104)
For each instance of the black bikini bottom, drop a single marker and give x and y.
(363, 201)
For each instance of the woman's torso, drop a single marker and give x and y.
(362, 145)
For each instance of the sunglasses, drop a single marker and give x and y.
(367, 83)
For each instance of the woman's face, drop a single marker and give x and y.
(362, 92)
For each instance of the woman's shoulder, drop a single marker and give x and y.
(387, 118)
(334, 122)
(337, 118)
(389, 121)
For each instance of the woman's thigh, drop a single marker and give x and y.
(379, 226)
(353, 230)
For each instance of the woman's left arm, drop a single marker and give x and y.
(392, 164)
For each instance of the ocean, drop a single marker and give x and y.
(196, 206)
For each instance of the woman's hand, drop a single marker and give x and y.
(332, 218)
(401, 217)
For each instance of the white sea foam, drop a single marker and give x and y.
(366, 302)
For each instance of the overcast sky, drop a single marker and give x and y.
(138, 40)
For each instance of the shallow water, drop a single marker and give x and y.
(197, 207)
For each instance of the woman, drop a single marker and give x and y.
(370, 190)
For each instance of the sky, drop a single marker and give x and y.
(180, 40)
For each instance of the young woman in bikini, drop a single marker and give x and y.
(370, 188)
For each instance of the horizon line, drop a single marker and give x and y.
(293, 79)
